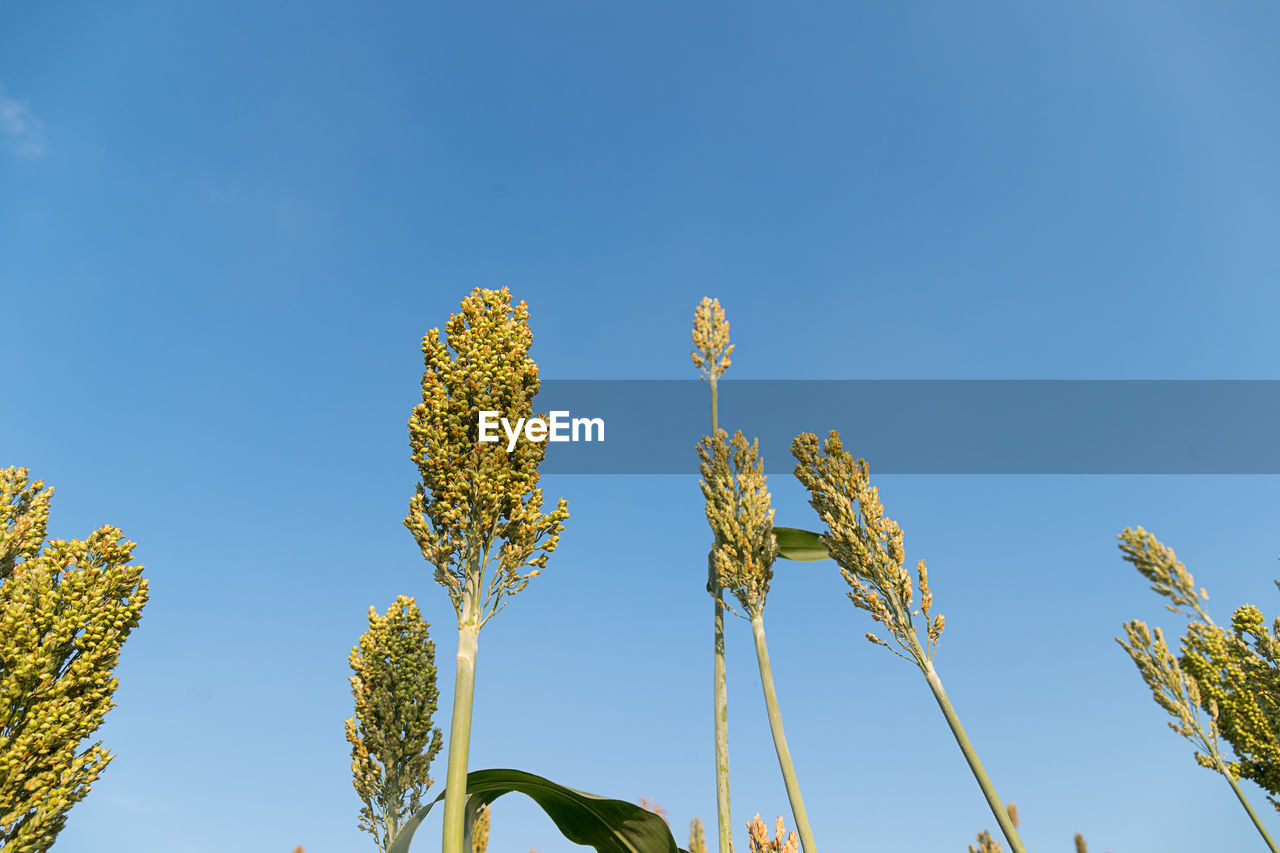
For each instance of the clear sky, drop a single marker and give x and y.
(224, 229)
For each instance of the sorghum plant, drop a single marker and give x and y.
(759, 841)
(986, 844)
(711, 356)
(66, 608)
(1191, 689)
(1169, 577)
(393, 737)
(477, 515)
(739, 511)
(868, 548)
(697, 838)
(1238, 671)
(1179, 695)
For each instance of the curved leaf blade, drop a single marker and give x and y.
(608, 825)
(801, 545)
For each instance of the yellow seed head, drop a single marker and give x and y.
(759, 841)
(866, 545)
(1157, 562)
(739, 510)
(476, 497)
(711, 339)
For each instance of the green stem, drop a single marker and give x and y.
(392, 824)
(780, 739)
(715, 407)
(721, 701)
(722, 735)
(1248, 808)
(971, 755)
(455, 795)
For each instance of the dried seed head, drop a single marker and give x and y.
(655, 807)
(759, 841)
(1172, 689)
(711, 339)
(926, 594)
(986, 844)
(474, 496)
(866, 545)
(739, 511)
(1193, 691)
(1158, 563)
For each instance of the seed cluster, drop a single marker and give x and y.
(66, 608)
(760, 842)
(476, 496)
(866, 545)
(986, 844)
(711, 339)
(1173, 690)
(393, 737)
(1157, 562)
(1233, 675)
(697, 837)
(1237, 670)
(738, 509)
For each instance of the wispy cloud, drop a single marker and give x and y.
(20, 128)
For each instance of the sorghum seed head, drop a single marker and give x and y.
(711, 339)
(739, 510)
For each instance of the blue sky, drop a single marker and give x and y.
(224, 229)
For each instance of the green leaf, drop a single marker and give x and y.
(610, 826)
(797, 544)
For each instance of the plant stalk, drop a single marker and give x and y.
(975, 764)
(780, 738)
(392, 828)
(455, 796)
(1245, 802)
(724, 820)
(722, 734)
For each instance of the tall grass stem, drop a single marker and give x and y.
(455, 799)
(780, 738)
(725, 822)
(724, 819)
(1262, 830)
(975, 764)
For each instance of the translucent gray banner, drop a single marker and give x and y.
(931, 426)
